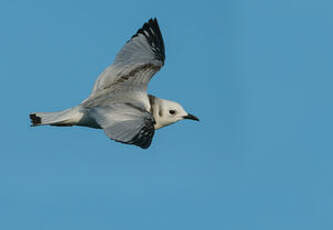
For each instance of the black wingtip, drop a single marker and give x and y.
(152, 33)
(35, 120)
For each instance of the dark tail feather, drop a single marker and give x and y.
(35, 120)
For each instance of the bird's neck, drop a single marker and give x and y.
(157, 112)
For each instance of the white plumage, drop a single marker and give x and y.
(119, 102)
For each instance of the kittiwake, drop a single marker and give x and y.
(119, 103)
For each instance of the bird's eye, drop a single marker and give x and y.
(172, 112)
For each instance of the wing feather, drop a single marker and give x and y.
(135, 64)
(125, 123)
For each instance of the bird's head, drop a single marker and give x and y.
(169, 112)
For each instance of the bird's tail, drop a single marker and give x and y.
(68, 117)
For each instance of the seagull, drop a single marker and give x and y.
(119, 103)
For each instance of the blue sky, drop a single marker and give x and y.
(257, 73)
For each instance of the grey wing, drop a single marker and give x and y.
(126, 123)
(139, 59)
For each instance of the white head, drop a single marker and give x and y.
(168, 112)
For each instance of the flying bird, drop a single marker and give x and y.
(119, 103)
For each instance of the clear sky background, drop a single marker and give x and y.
(257, 73)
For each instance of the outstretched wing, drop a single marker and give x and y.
(126, 123)
(139, 59)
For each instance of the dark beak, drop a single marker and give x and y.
(191, 117)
